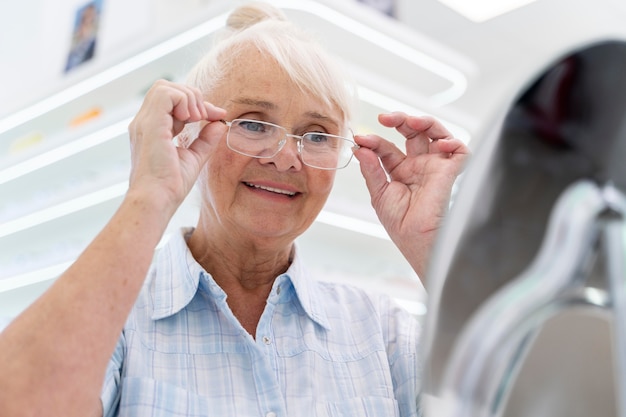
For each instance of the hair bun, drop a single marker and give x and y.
(252, 13)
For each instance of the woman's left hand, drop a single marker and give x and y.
(411, 192)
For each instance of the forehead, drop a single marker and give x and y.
(255, 78)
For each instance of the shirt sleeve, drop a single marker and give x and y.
(403, 334)
(110, 395)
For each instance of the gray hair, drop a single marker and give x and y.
(267, 28)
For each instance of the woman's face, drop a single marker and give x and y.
(275, 197)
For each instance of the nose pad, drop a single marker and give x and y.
(285, 158)
(288, 149)
(281, 144)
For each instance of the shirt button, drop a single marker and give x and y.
(268, 341)
(278, 290)
(270, 414)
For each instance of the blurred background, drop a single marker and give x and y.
(73, 73)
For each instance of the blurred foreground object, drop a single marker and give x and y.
(526, 309)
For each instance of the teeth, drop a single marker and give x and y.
(274, 190)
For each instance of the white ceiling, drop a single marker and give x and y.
(508, 51)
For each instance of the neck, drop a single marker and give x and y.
(234, 261)
(243, 269)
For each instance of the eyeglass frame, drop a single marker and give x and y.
(300, 138)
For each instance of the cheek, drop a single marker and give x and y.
(222, 161)
(322, 183)
(219, 173)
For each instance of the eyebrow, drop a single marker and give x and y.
(268, 105)
(321, 117)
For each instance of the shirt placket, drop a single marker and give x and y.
(270, 394)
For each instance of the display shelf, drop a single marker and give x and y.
(79, 174)
(57, 145)
(70, 161)
(12, 302)
(54, 241)
(112, 87)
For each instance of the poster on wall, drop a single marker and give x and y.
(84, 34)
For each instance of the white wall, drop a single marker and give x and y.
(35, 38)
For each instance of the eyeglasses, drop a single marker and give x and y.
(260, 139)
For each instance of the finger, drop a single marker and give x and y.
(410, 126)
(418, 130)
(199, 102)
(213, 112)
(165, 106)
(416, 143)
(449, 146)
(168, 107)
(185, 107)
(429, 126)
(187, 102)
(207, 139)
(374, 174)
(390, 155)
(194, 129)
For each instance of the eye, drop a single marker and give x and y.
(318, 138)
(254, 127)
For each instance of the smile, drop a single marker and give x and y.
(271, 189)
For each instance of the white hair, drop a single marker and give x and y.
(266, 28)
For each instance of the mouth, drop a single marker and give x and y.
(274, 190)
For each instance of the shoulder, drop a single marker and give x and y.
(351, 304)
(353, 297)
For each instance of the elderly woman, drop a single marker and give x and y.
(227, 321)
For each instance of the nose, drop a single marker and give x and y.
(288, 156)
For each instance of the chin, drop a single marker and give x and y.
(264, 229)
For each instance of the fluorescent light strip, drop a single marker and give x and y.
(47, 273)
(483, 10)
(352, 224)
(389, 104)
(117, 71)
(33, 277)
(402, 50)
(63, 209)
(64, 151)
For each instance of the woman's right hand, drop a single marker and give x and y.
(160, 168)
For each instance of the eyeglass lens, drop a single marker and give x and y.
(264, 140)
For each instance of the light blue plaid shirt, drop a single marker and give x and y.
(321, 349)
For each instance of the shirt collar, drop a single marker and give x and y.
(307, 291)
(176, 276)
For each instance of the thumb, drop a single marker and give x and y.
(448, 146)
(207, 139)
